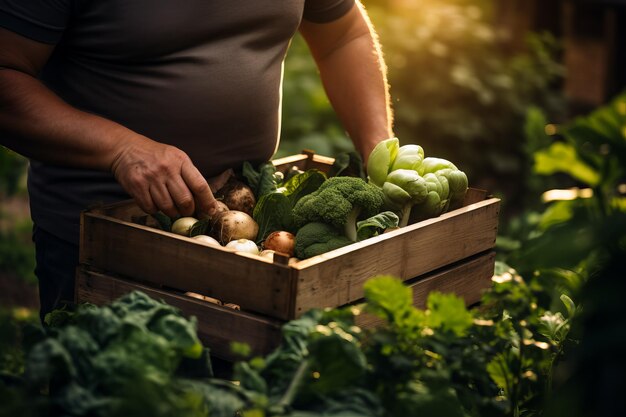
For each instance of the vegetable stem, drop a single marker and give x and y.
(350, 226)
(295, 383)
(404, 215)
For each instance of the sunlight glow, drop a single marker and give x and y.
(569, 194)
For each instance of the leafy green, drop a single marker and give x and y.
(376, 224)
(562, 157)
(348, 164)
(274, 211)
(262, 180)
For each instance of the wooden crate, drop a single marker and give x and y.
(450, 252)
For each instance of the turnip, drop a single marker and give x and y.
(267, 253)
(206, 239)
(243, 245)
(233, 225)
(237, 196)
(220, 207)
(280, 241)
(183, 225)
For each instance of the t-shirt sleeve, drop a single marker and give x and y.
(324, 11)
(39, 20)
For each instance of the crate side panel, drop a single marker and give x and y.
(405, 253)
(467, 280)
(160, 258)
(217, 326)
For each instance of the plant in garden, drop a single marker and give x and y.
(587, 159)
(460, 91)
(579, 238)
(138, 356)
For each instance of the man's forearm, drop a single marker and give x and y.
(38, 124)
(357, 88)
(355, 79)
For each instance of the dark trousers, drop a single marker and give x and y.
(56, 268)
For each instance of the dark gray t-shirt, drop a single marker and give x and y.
(203, 75)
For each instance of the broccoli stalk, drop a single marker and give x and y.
(349, 228)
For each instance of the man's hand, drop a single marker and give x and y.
(39, 125)
(162, 178)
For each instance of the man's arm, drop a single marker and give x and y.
(38, 124)
(353, 72)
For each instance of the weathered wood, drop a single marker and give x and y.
(467, 279)
(218, 326)
(166, 259)
(337, 277)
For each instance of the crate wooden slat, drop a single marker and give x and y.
(217, 326)
(161, 258)
(337, 277)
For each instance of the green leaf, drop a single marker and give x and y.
(559, 212)
(200, 227)
(303, 184)
(387, 297)
(376, 224)
(562, 157)
(180, 332)
(499, 370)
(448, 312)
(348, 164)
(261, 180)
(164, 221)
(535, 131)
(336, 357)
(273, 212)
(569, 305)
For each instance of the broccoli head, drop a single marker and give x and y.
(314, 239)
(339, 202)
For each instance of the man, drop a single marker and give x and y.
(148, 98)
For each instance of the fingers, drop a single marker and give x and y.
(220, 180)
(205, 202)
(162, 178)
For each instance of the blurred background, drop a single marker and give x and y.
(465, 75)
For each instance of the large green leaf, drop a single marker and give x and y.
(562, 157)
(448, 312)
(273, 212)
(376, 224)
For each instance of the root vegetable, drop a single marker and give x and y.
(237, 196)
(232, 225)
(183, 225)
(203, 297)
(267, 253)
(280, 241)
(221, 207)
(206, 239)
(243, 245)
